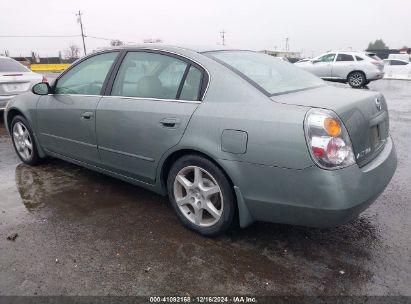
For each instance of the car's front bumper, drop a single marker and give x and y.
(4, 100)
(312, 196)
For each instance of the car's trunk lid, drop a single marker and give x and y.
(364, 114)
(12, 83)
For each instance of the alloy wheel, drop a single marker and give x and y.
(356, 79)
(22, 141)
(198, 196)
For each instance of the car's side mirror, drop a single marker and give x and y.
(315, 61)
(42, 88)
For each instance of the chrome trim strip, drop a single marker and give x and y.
(127, 154)
(154, 99)
(71, 140)
(81, 95)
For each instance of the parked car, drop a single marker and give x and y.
(397, 69)
(400, 56)
(227, 134)
(15, 79)
(355, 68)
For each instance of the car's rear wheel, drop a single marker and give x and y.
(201, 195)
(23, 141)
(356, 79)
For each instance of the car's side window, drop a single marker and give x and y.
(327, 58)
(149, 75)
(358, 58)
(398, 62)
(344, 57)
(87, 77)
(192, 85)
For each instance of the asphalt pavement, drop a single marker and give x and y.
(77, 232)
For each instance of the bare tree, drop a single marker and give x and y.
(116, 42)
(73, 52)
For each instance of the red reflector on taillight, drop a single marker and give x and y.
(319, 152)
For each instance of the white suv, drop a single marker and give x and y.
(356, 68)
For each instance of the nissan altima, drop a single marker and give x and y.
(231, 136)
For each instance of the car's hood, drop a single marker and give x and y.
(363, 112)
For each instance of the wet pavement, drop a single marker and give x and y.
(83, 233)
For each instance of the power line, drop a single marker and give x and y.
(38, 36)
(101, 38)
(109, 39)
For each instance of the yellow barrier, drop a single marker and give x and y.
(49, 67)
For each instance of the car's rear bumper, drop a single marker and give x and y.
(4, 100)
(312, 196)
(375, 76)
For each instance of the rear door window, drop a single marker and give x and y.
(344, 57)
(149, 75)
(192, 85)
(398, 62)
(157, 76)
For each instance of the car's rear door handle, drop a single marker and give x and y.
(170, 122)
(87, 115)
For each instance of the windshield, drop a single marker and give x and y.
(271, 75)
(373, 56)
(11, 65)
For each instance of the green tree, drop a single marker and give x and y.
(379, 44)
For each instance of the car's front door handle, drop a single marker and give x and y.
(170, 122)
(87, 115)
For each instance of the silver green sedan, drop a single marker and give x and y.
(231, 136)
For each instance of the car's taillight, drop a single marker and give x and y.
(44, 79)
(377, 63)
(327, 139)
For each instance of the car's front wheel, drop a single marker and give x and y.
(201, 195)
(356, 79)
(23, 141)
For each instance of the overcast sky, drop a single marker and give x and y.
(313, 26)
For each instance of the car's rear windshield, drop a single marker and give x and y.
(11, 65)
(269, 74)
(373, 56)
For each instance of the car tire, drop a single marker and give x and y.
(356, 79)
(23, 141)
(201, 195)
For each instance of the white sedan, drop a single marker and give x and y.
(15, 79)
(397, 69)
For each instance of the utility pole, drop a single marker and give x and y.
(223, 36)
(287, 46)
(82, 33)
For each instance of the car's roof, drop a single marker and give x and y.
(166, 47)
(351, 52)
